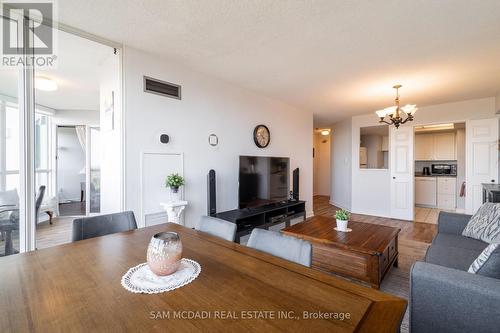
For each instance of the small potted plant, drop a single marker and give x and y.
(174, 181)
(342, 217)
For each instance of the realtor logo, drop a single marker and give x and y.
(28, 34)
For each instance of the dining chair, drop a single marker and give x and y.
(11, 222)
(95, 226)
(217, 227)
(279, 245)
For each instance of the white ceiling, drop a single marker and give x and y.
(335, 58)
(76, 74)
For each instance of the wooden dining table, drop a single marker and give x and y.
(76, 288)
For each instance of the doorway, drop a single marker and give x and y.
(78, 87)
(70, 172)
(440, 170)
(321, 162)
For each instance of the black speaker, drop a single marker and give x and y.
(295, 188)
(164, 138)
(211, 194)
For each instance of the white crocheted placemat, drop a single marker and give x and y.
(140, 279)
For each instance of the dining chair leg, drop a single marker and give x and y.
(8, 243)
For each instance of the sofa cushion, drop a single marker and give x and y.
(488, 262)
(452, 257)
(449, 240)
(485, 224)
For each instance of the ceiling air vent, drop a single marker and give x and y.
(162, 88)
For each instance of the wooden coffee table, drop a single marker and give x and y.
(366, 253)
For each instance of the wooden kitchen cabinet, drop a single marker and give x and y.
(435, 147)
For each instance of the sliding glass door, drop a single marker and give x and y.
(16, 133)
(10, 153)
(39, 95)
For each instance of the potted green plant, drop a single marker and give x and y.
(174, 181)
(342, 217)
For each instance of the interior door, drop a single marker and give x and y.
(402, 180)
(481, 159)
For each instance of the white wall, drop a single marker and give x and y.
(497, 102)
(371, 188)
(322, 160)
(111, 137)
(76, 117)
(341, 159)
(370, 191)
(460, 167)
(71, 160)
(208, 106)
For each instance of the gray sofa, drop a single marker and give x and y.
(444, 297)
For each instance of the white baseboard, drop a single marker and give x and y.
(339, 205)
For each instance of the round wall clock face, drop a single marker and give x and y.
(261, 136)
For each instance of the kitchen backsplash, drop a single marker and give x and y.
(420, 165)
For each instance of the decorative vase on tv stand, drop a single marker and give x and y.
(342, 216)
(174, 182)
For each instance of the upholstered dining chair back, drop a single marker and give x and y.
(279, 245)
(217, 227)
(95, 226)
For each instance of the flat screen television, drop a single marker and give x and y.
(263, 180)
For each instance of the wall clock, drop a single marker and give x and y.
(261, 136)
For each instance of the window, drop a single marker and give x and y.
(9, 148)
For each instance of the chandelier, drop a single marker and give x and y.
(397, 115)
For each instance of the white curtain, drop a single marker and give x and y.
(80, 132)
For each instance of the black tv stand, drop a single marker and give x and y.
(263, 217)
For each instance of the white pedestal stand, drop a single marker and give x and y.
(174, 210)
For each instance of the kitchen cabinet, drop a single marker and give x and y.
(385, 143)
(435, 147)
(363, 156)
(444, 146)
(424, 147)
(440, 192)
(426, 191)
(447, 193)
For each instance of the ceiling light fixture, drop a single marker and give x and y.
(325, 132)
(45, 84)
(396, 113)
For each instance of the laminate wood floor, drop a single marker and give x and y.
(47, 235)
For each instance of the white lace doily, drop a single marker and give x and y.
(140, 279)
